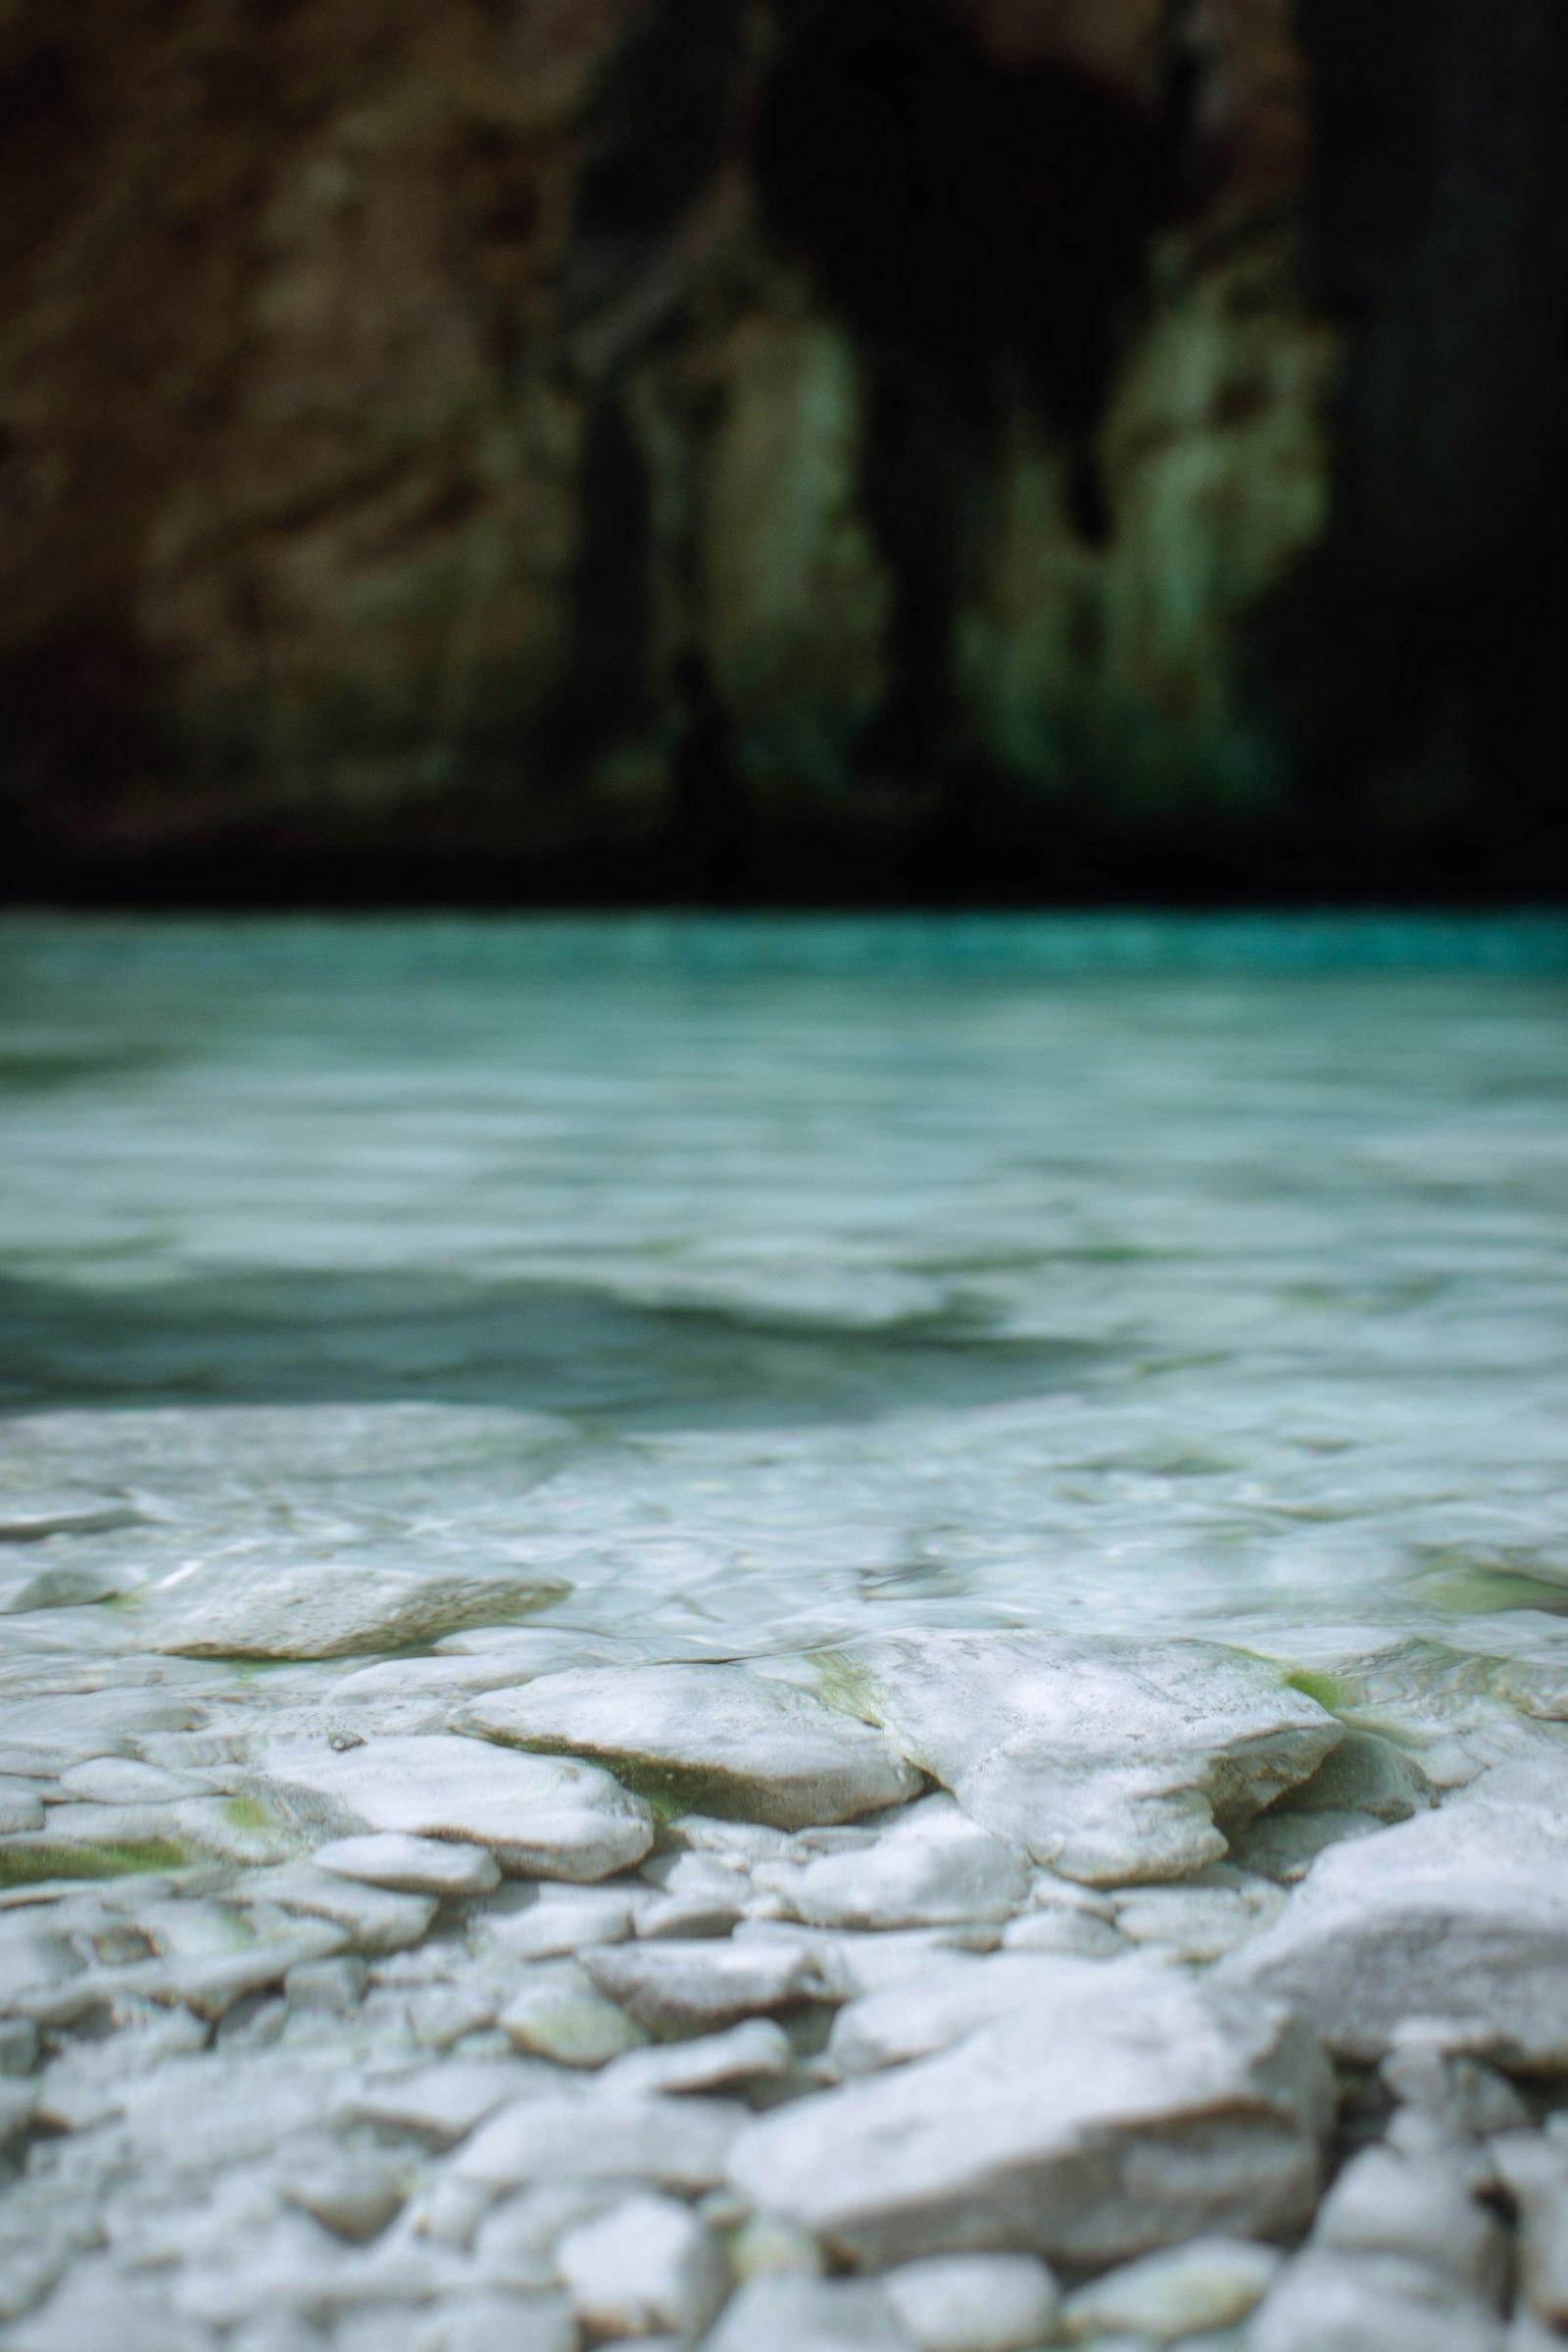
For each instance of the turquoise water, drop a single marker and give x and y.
(770, 1278)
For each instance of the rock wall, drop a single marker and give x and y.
(767, 447)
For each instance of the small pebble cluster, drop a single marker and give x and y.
(963, 1991)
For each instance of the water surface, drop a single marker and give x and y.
(774, 1280)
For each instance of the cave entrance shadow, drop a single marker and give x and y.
(255, 1335)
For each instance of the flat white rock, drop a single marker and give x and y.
(974, 2302)
(793, 2313)
(931, 1866)
(1085, 2113)
(331, 1608)
(1458, 1917)
(1211, 2283)
(648, 2263)
(677, 2143)
(540, 1816)
(411, 1865)
(557, 2013)
(1110, 1758)
(1369, 2303)
(715, 1740)
(674, 1988)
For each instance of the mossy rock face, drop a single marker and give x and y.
(31, 1862)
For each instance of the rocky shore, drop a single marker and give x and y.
(875, 1663)
(964, 1991)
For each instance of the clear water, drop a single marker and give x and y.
(774, 1280)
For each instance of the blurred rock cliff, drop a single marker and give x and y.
(780, 447)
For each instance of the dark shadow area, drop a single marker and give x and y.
(983, 235)
(1423, 660)
(308, 1338)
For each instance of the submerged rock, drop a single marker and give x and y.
(1082, 2113)
(718, 1740)
(332, 1608)
(541, 1817)
(1458, 1917)
(1114, 1760)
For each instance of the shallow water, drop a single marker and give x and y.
(771, 1281)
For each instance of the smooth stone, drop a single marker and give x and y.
(752, 2051)
(1083, 2113)
(1111, 1760)
(21, 1809)
(326, 1987)
(1420, 2208)
(1075, 1934)
(557, 2013)
(1465, 2097)
(354, 2197)
(126, 1781)
(496, 2321)
(1364, 1774)
(766, 2247)
(675, 1987)
(1458, 1917)
(697, 1894)
(718, 1740)
(376, 1920)
(18, 2046)
(443, 2103)
(646, 2265)
(1284, 1846)
(677, 2143)
(30, 1518)
(1210, 2284)
(851, 1963)
(66, 1585)
(331, 1608)
(931, 1867)
(1368, 2303)
(541, 1817)
(1197, 1923)
(795, 2314)
(974, 2302)
(1534, 2172)
(409, 1865)
(559, 1921)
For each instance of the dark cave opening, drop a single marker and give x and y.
(982, 232)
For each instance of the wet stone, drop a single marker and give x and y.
(647, 2264)
(793, 2314)
(330, 1608)
(1049, 2106)
(540, 1817)
(1211, 2283)
(974, 2302)
(556, 2013)
(715, 1738)
(411, 1865)
(930, 1865)
(1458, 1916)
(675, 1987)
(1114, 1760)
